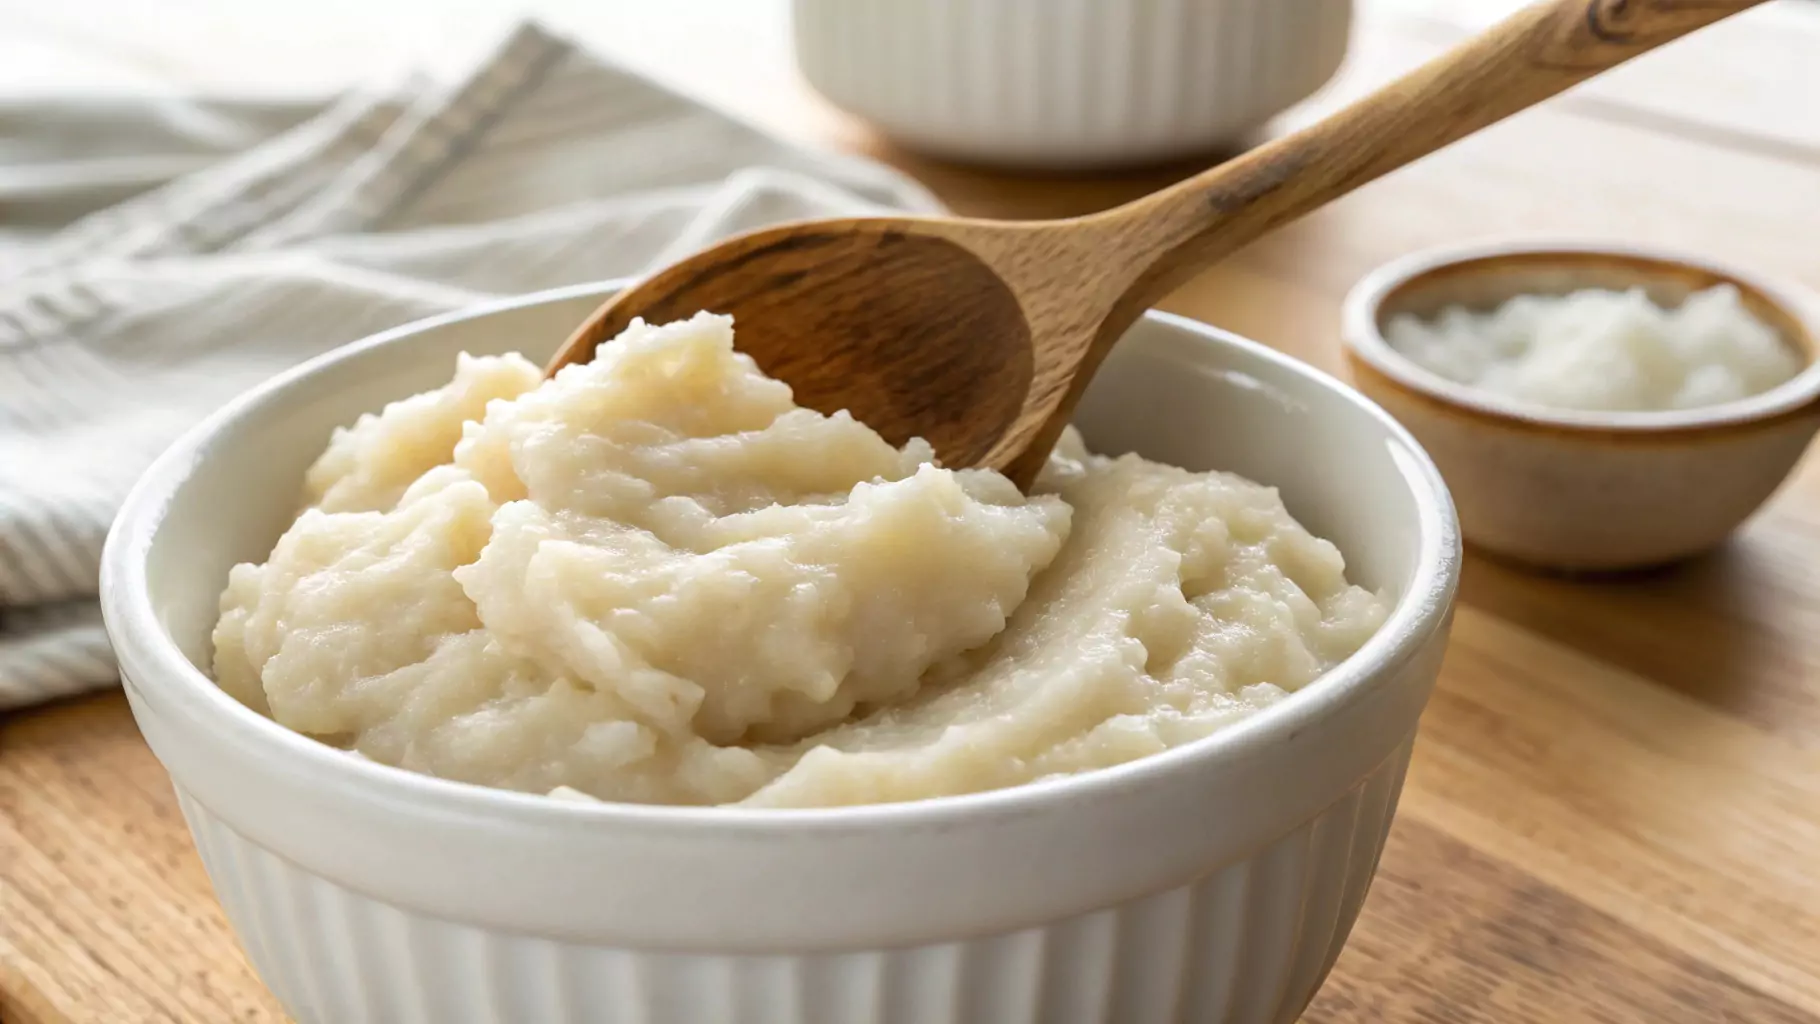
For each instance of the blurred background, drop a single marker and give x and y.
(284, 48)
(291, 48)
(736, 54)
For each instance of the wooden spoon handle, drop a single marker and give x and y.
(1536, 53)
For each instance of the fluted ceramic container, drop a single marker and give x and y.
(1069, 84)
(1211, 883)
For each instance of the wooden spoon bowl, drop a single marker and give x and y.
(808, 313)
(981, 335)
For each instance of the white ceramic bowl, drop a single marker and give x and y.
(1583, 491)
(1214, 882)
(1069, 83)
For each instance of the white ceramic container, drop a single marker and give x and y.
(1068, 84)
(1583, 491)
(1214, 883)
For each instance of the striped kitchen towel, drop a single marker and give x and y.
(158, 257)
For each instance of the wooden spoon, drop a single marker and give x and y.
(980, 335)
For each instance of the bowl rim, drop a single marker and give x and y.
(1367, 348)
(164, 677)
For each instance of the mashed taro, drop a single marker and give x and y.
(656, 579)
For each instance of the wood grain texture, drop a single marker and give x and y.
(981, 335)
(1612, 812)
(1480, 941)
(1536, 53)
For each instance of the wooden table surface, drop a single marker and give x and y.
(1614, 809)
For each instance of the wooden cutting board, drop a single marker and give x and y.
(1614, 810)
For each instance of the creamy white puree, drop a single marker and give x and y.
(656, 579)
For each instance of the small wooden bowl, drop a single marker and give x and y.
(1585, 491)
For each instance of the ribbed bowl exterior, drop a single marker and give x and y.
(1248, 944)
(1069, 83)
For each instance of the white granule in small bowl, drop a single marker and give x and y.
(1601, 350)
